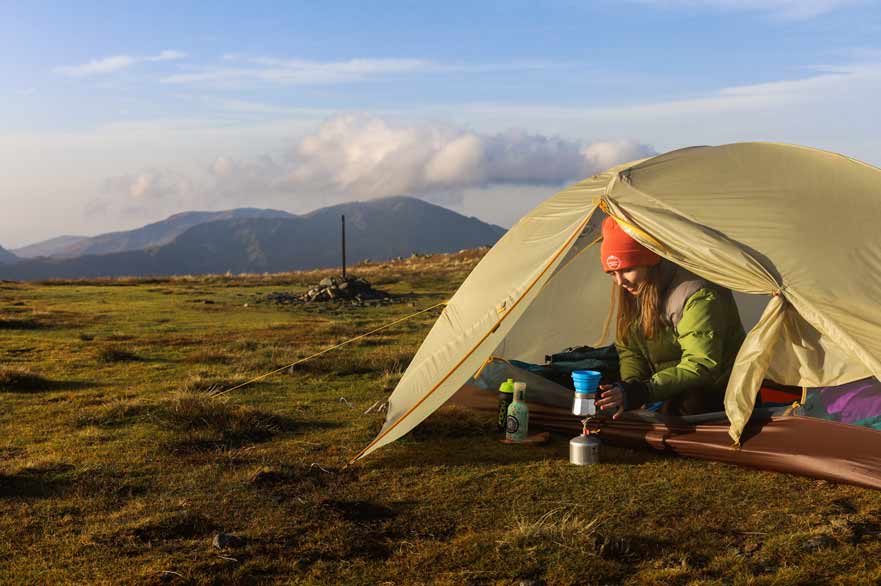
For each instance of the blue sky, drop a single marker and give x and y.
(113, 116)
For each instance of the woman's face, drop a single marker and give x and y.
(630, 279)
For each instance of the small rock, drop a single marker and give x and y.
(245, 305)
(226, 540)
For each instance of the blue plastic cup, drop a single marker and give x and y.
(586, 381)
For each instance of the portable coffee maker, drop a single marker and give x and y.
(584, 449)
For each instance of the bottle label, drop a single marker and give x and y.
(512, 424)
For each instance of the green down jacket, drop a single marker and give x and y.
(696, 348)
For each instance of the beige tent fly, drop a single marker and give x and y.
(795, 228)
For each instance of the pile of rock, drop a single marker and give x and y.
(348, 289)
(353, 290)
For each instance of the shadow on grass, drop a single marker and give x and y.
(452, 422)
(290, 475)
(7, 323)
(36, 482)
(20, 380)
(167, 526)
(51, 480)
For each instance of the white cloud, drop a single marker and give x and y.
(787, 9)
(604, 154)
(167, 55)
(115, 63)
(358, 156)
(150, 190)
(98, 66)
(240, 71)
(296, 71)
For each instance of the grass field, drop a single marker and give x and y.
(118, 467)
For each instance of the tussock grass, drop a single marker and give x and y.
(198, 384)
(115, 413)
(190, 410)
(391, 376)
(20, 380)
(560, 527)
(209, 356)
(111, 354)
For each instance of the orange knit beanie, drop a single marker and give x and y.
(621, 252)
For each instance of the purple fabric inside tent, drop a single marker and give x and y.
(852, 402)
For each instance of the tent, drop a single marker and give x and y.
(796, 229)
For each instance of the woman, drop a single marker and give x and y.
(677, 334)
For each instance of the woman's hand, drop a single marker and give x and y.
(611, 397)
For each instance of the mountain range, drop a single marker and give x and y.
(7, 257)
(250, 240)
(148, 236)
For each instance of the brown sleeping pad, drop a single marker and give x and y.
(798, 445)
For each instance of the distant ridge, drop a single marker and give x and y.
(151, 235)
(48, 247)
(376, 229)
(7, 257)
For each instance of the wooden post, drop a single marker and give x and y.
(344, 246)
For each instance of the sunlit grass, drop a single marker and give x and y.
(119, 461)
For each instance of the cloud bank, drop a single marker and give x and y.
(368, 157)
(362, 157)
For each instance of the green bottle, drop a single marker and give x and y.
(517, 426)
(506, 396)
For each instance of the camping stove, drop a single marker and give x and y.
(584, 449)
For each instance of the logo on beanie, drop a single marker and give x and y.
(613, 262)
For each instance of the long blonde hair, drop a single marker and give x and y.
(642, 308)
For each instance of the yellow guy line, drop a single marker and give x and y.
(474, 348)
(349, 341)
